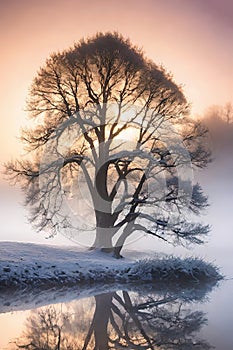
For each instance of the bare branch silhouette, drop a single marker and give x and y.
(84, 103)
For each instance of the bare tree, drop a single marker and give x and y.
(47, 329)
(111, 129)
(227, 112)
(222, 112)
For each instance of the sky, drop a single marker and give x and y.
(192, 39)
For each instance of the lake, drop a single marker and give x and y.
(135, 317)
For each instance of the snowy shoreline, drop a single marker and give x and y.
(23, 264)
(33, 275)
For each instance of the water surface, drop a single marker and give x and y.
(139, 317)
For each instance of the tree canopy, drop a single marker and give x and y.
(111, 148)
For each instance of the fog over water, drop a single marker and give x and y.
(217, 181)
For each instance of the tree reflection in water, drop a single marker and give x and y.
(119, 320)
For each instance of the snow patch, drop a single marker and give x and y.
(23, 264)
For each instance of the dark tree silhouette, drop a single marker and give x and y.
(47, 329)
(227, 112)
(119, 321)
(111, 128)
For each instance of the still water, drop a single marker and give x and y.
(137, 317)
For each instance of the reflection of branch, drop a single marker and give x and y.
(89, 334)
(149, 322)
(129, 308)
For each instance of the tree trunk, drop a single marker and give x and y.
(121, 240)
(103, 206)
(103, 239)
(104, 232)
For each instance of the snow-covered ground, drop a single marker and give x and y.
(32, 274)
(23, 264)
(27, 263)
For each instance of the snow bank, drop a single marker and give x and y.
(35, 275)
(23, 264)
(174, 269)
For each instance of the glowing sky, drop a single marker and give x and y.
(193, 39)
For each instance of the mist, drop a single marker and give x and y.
(216, 180)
